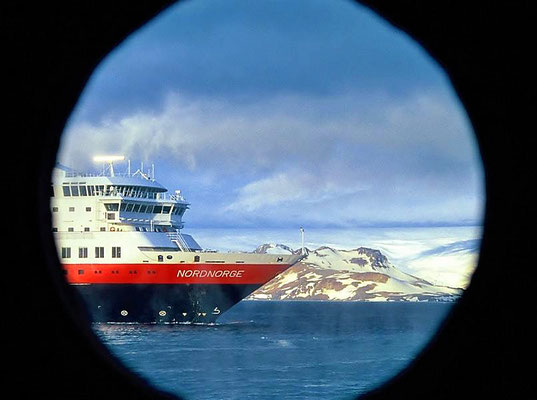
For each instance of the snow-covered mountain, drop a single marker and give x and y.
(361, 274)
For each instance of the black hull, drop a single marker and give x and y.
(161, 303)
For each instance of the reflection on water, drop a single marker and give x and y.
(279, 349)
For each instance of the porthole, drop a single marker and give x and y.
(337, 158)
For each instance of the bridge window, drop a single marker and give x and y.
(66, 191)
(74, 190)
(166, 209)
(157, 209)
(112, 206)
(83, 191)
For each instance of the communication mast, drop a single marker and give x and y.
(108, 162)
(302, 234)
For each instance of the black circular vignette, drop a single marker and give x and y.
(483, 347)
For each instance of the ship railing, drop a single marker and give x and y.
(74, 174)
(170, 197)
(135, 195)
(178, 238)
(175, 197)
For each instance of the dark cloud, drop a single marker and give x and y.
(247, 51)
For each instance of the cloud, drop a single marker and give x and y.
(284, 188)
(355, 156)
(309, 129)
(262, 117)
(257, 49)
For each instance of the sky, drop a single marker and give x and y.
(280, 114)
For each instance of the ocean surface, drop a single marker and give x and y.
(279, 349)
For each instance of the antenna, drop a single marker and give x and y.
(108, 160)
(302, 234)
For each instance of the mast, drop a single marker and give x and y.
(302, 234)
(108, 160)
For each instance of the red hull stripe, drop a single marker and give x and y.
(199, 273)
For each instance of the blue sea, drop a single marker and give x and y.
(279, 349)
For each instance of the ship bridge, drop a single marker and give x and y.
(112, 201)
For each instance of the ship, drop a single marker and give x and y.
(121, 246)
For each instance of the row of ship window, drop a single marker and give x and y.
(82, 190)
(71, 209)
(83, 252)
(137, 208)
(114, 272)
(145, 208)
(99, 253)
(103, 229)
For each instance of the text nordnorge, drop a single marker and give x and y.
(189, 273)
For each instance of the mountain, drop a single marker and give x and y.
(361, 274)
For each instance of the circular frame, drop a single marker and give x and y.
(482, 346)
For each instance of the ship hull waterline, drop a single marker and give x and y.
(160, 303)
(160, 293)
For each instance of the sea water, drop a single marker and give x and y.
(279, 349)
(301, 349)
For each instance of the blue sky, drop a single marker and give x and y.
(282, 114)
